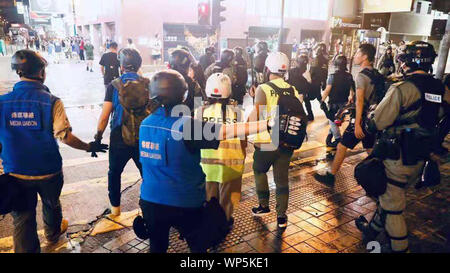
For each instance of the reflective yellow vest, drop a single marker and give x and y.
(271, 103)
(226, 163)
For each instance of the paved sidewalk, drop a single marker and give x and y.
(320, 219)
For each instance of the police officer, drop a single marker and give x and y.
(181, 60)
(261, 50)
(208, 58)
(409, 112)
(241, 76)
(119, 153)
(386, 64)
(224, 65)
(173, 187)
(30, 120)
(300, 78)
(339, 91)
(319, 74)
(267, 153)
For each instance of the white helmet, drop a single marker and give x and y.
(277, 62)
(218, 86)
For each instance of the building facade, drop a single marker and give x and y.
(141, 20)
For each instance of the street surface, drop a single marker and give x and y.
(320, 218)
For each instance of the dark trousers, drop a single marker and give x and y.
(280, 160)
(119, 155)
(24, 214)
(308, 107)
(81, 54)
(160, 218)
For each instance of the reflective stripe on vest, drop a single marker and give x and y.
(227, 162)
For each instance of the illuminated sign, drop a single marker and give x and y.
(20, 9)
(382, 6)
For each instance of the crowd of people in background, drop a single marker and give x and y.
(211, 170)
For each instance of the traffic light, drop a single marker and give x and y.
(217, 9)
(204, 12)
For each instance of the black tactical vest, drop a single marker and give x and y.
(340, 87)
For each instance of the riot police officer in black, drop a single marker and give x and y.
(301, 79)
(339, 91)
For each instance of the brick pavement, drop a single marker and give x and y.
(324, 224)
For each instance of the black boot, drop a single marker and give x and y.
(369, 234)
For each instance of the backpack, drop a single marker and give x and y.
(134, 96)
(378, 81)
(212, 229)
(290, 106)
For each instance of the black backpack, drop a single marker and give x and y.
(212, 229)
(378, 81)
(290, 106)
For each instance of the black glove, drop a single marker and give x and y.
(96, 146)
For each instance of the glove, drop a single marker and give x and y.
(96, 146)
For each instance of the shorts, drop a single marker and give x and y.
(156, 57)
(349, 139)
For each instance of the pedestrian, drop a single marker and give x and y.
(130, 44)
(81, 53)
(30, 151)
(386, 64)
(267, 152)
(110, 64)
(223, 167)
(37, 44)
(408, 113)
(58, 51)
(89, 50)
(172, 190)
(354, 133)
(156, 48)
(121, 151)
(339, 91)
(2, 47)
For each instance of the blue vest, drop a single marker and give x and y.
(172, 175)
(26, 131)
(116, 120)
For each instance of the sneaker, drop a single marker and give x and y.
(260, 211)
(282, 222)
(327, 178)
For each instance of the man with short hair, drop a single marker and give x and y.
(32, 121)
(120, 153)
(110, 64)
(365, 56)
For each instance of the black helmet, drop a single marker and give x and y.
(168, 87)
(238, 51)
(302, 60)
(341, 62)
(226, 57)
(262, 47)
(419, 55)
(29, 64)
(130, 59)
(180, 61)
(210, 50)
